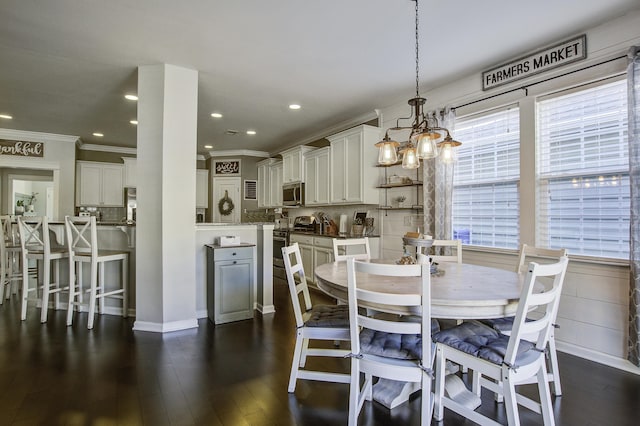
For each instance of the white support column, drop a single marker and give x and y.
(165, 247)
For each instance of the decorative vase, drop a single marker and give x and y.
(19, 210)
(30, 208)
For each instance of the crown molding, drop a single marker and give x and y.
(106, 148)
(239, 152)
(337, 128)
(25, 135)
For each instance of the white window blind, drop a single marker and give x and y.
(485, 193)
(583, 171)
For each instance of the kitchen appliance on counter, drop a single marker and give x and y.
(304, 223)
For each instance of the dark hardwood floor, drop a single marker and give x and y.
(232, 374)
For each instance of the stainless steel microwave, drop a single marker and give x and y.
(293, 194)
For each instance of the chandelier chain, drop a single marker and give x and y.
(417, 55)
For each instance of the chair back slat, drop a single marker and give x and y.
(546, 302)
(420, 302)
(10, 233)
(444, 251)
(364, 252)
(527, 252)
(34, 234)
(297, 281)
(82, 235)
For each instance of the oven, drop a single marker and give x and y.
(280, 240)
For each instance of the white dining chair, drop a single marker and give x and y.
(36, 246)
(11, 262)
(313, 322)
(504, 325)
(499, 362)
(447, 251)
(357, 248)
(386, 347)
(82, 242)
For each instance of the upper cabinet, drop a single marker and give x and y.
(276, 172)
(293, 164)
(202, 188)
(353, 159)
(317, 172)
(99, 184)
(130, 172)
(264, 183)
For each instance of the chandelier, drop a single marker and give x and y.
(425, 140)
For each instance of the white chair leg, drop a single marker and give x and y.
(125, 287)
(73, 292)
(295, 363)
(438, 409)
(553, 366)
(510, 403)
(354, 393)
(46, 288)
(303, 353)
(92, 296)
(545, 397)
(101, 287)
(25, 290)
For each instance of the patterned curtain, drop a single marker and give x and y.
(633, 78)
(438, 188)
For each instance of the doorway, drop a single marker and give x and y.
(226, 199)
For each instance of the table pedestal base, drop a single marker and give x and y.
(392, 393)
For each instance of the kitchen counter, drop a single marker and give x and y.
(343, 237)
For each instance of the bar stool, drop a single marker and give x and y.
(36, 245)
(82, 242)
(10, 262)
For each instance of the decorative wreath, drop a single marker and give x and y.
(225, 205)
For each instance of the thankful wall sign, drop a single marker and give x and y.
(21, 148)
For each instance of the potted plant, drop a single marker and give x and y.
(401, 199)
(29, 205)
(20, 207)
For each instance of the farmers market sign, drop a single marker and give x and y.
(543, 60)
(22, 149)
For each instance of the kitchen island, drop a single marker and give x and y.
(259, 234)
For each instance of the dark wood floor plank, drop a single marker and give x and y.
(230, 375)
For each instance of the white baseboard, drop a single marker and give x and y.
(599, 357)
(265, 309)
(203, 313)
(166, 327)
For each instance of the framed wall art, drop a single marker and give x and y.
(226, 167)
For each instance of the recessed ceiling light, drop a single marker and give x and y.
(216, 115)
(6, 116)
(134, 122)
(208, 146)
(131, 97)
(98, 134)
(294, 106)
(251, 132)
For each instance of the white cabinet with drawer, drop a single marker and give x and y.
(230, 283)
(99, 184)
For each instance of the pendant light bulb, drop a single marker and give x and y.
(387, 152)
(427, 147)
(409, 158)
(447, 153)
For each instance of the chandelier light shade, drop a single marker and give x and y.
(387, 154)
(425, 131)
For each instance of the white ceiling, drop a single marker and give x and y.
(66, 64)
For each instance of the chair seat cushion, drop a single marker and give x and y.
(484, 342)
(391, 345)
(328, 316)
(499, 324)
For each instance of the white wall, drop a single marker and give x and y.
(594, 306)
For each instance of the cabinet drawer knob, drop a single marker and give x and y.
(234, 262)
(234, 253)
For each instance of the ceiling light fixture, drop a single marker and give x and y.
(251, 132)
(6, 116)
(423, 140)
(98, 134)
(294, 106)
(216, 115)
(134, 122)
(131, 97)
(208, 146)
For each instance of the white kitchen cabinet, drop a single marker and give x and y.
(293, 164)
(99, 184)
(230, 283)
(275, 182)
(317, 172)
(130, 172)
(264, 182)
(202, 188)
(352, 160)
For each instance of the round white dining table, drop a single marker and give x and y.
(458, 290)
